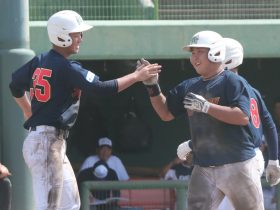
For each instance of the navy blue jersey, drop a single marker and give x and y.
(55, 84)
(215, 142)
(269, 127)
(259, 112)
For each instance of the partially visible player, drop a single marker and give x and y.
(55, 84)
(234, 58)
(5, 188)
(222, 132)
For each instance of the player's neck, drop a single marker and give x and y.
(61, 51)
(214, 75)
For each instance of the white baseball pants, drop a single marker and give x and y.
(54, 182)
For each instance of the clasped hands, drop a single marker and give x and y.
(141, 63)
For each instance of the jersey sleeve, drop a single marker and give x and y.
(170, 175)
(89, 162)
(21, 78)
(237, 92)
(175, 99)
(89, 82)
(269, 128)
(120, 169)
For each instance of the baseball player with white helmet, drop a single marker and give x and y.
(234, 58)
(55, 84)
(223, 133)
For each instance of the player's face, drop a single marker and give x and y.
(199, 59)
(201, 63)
(77, 38)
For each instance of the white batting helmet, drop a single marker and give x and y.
(234, 53)
(211, 40)
(61, 24)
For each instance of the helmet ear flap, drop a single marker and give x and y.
(217, 52)
(60, 40)
(64, 40)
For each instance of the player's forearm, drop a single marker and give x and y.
(160, 106)
(140, 74)
(24, 104)
(231, 115)
(126, 81)
(272, 142)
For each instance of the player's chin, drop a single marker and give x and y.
(75, 51)
(198, 70)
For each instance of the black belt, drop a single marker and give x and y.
(32, 129)
(44, 128)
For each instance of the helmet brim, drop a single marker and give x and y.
(189, 47)
(81, 28)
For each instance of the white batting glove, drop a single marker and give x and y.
(183, 150)
(154, 79)
(196, 103)
(273, 172)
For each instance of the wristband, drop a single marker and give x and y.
(153, 90)
(206, 107)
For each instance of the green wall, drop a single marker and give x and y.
(164, 39)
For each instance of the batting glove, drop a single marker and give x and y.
(183, 150)
(273, 172)
(196, 103)
(153, 80)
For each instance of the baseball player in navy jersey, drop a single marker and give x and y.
(234, 58)
(55, 84)
(218, 107)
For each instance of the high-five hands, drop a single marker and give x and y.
(145, 72)
(273, 172)
(151, 81)
(196, 103)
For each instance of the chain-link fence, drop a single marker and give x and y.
(158, 9)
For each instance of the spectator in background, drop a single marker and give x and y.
(177, 170)
(104, 152)
(5, 188)
(276, 111)
(100, 199)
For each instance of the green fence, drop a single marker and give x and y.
(159, 9)
(95, 9)
(217, 9)
(179, 186)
